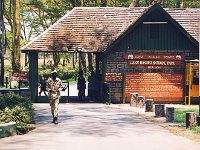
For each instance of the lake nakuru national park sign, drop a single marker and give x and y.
(154, 62)
(154, 59)
(158, 86)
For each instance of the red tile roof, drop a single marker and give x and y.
(92, 29)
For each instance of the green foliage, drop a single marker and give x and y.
(195, 129)
(180, 114)
(18, 109)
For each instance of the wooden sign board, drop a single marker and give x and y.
(113, 77)
(153, 57)
(157, 86)
(154, 63)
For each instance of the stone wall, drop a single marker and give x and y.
(116, 64)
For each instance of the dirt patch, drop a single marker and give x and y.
(176, 129)
(182, 131)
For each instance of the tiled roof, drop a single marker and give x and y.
(92, 29)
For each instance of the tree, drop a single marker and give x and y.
(2, 43)
(16, 36)
(134, 3)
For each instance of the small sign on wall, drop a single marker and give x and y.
(113, 77)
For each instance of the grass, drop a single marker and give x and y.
(180, 114)
(180, 117)
(195, 129)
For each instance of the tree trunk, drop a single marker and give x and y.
(56, 59)
(63, 64)
(90, 62)
(16, 36)
(26, 59)
(2, 42)
(73, 61)
(182, 4)
(103, 3)
(44, 59)
(2, 71)
(83, 62)
(134, 3)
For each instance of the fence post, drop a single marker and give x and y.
(169, 114)
(190, 119)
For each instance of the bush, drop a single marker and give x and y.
(16, 108)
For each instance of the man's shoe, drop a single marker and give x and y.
(56, 120)
(53, 120)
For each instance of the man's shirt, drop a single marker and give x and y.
(53, 88)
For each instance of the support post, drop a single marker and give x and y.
(133, 99)
(149, 105)
(170, 114)
(97, 63)
(33, 75)
(160, 110)
(141, 102)
(123, 87)
(190, 119)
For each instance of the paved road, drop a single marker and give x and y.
(95, 127)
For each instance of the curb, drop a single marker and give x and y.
(8, 129)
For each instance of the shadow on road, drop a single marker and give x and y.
(90, 119)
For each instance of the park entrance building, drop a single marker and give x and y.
(140, 50)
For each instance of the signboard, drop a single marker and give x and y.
(153, 57)
(158, 86)
(113, 77)
(154, 63)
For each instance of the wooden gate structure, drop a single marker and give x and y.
(138, 49)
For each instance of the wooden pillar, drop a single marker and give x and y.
(123, 87)
(169, 114)
(97, 63)
(160, 110)
(33, 75)
(149, 105)
(191, 119)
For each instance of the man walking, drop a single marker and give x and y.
(54, 85)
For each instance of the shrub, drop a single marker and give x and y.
(16, 108)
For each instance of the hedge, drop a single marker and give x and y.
(18, 109)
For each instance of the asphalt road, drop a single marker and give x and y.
(95, 127)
